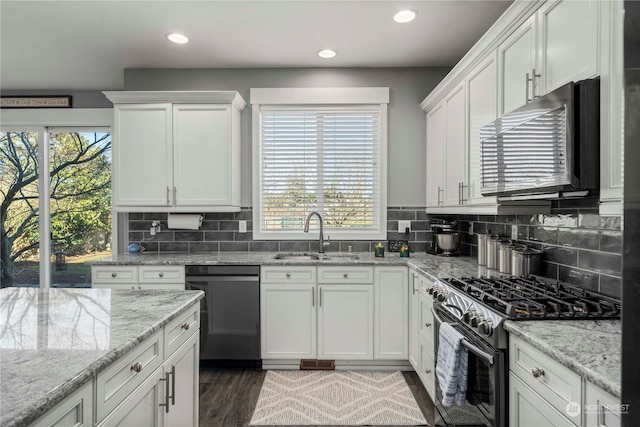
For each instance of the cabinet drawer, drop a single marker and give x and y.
(427, 371)
(557, 384)
(114, 274)
(287, 274)
(120, 379)
(426, 318)
(75, 410)
(177, 331)
(425, 284)
(160, 274)
(345, 274)
(120, 286)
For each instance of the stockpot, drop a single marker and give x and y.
(525, 261)
(504, 256)
(492, 251)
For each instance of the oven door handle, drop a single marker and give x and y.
(466, 344)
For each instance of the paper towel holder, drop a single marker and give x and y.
(184, 221)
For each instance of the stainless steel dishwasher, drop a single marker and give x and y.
(229, 314)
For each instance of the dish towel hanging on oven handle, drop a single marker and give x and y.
(451, 366)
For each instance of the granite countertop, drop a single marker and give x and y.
(590, 348)
(432, 265)
(53, 341)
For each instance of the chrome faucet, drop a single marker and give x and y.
(321, 237)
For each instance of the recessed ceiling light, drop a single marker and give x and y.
(178, 38)
(405, 16)
(327, 53)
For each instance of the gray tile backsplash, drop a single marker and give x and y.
(580, 246)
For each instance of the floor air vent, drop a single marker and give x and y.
(308, 364)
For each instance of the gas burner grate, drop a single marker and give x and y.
(530, 298)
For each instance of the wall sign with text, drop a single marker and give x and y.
(35, 102)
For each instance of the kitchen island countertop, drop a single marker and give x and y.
(53, 341)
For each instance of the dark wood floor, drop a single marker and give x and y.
(228, 397)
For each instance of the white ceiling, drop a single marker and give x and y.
(87, 44)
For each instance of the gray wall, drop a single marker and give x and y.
(408, 87)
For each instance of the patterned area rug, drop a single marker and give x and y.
(336, 398)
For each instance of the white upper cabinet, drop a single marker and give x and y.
(179, 155)
(455, 148)
(436, 131)
(568, 42)
(482, 107)
(517, 61)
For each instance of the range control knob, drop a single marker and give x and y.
(475, 320)
(485, 327)
(466, 317)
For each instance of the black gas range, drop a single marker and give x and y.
(477, 307)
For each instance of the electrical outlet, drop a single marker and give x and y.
(514, 232)
(403, 226)
(242, 226)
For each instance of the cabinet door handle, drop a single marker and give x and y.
(345, 275)
(173, 384)
(537, 372)
(288, 275)
(136, 367)
(440, 190)
(114, 274)
(526, 85)
(175, 195)
(414, 284)
(428, 325)
(533, 83)
(168, 202)
(320, 305)
(161, 274)
(185, 326)
(313, 297)
(166, 393)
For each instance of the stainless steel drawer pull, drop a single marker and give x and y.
(537, 372)
(185, 326)
(166, 393)
(345, 275)
(136, 367)
(173, 384)
(161, 274)
(114, 274)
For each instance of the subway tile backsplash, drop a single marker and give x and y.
(580, 246)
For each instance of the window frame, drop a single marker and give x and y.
(42, 121)
(366, 98)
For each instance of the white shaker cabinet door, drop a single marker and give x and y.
(568, 42)
(455, 148)
(391, 312)
(516, 59)
(345, 322)
(184, 385)
(203, 155)
(288, 321)
(436, 123)
(142, 158)
(482, 103)
(414, 321)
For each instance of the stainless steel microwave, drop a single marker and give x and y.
(548, 148)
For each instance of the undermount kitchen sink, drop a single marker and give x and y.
(308, 256)
(300, 256)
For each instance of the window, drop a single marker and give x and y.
(52, 226)
(329, 158)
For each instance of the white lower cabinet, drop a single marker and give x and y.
(144, 277)
(288, 320)
(391, 294)
(76, 410)
(528, 408)
(345, 321)
(183, 368)
(601, 408)
(414, 322)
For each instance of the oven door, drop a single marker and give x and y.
(485, 403)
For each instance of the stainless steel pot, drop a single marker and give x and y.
(504, 256)
(525, 261)
(482, 248)
(448, 242)
(492, 251)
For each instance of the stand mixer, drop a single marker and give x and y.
(446, 239)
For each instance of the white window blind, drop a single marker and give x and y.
(320, 159)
